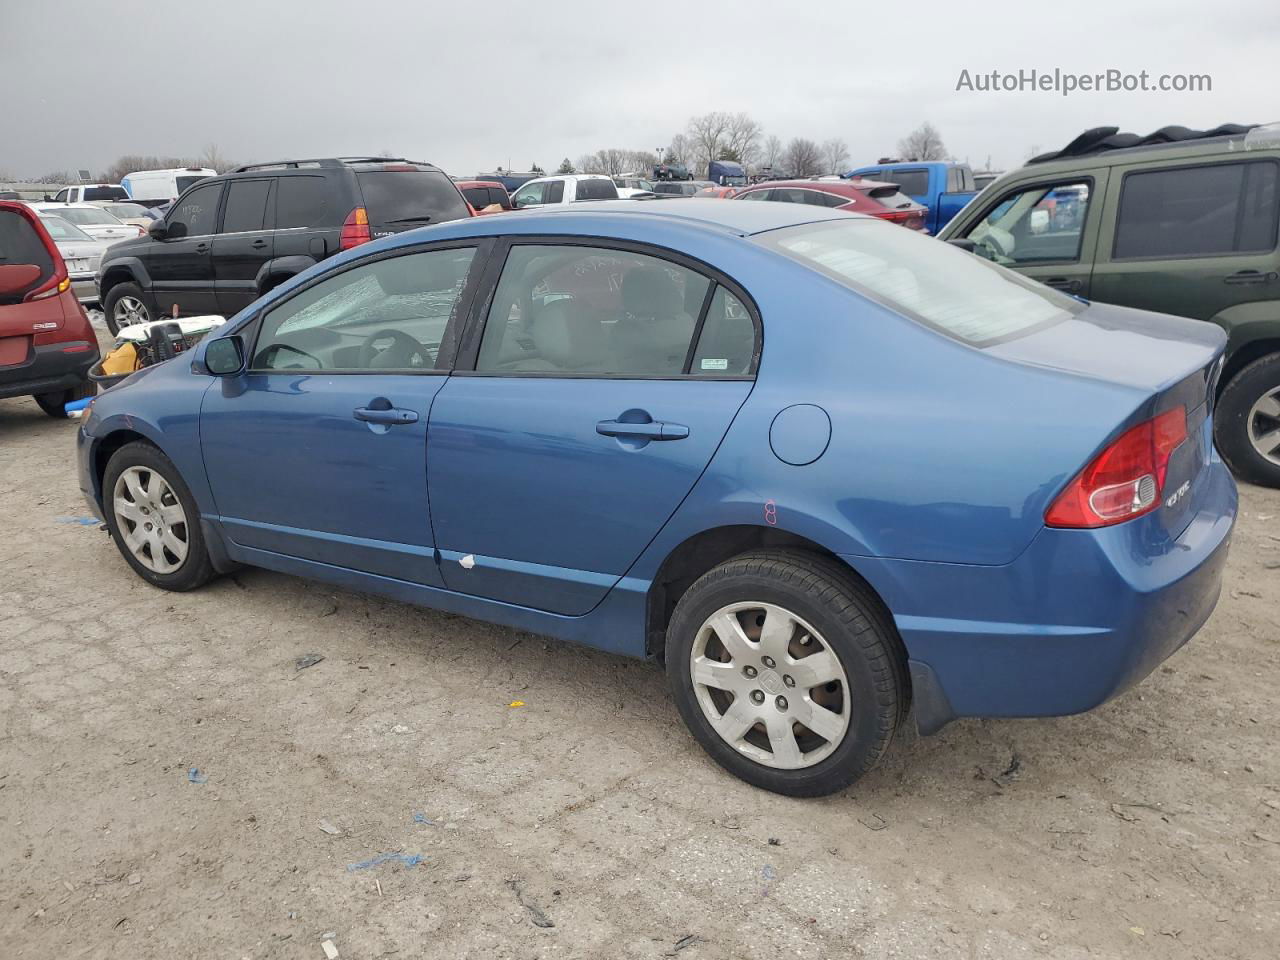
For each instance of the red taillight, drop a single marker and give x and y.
(1126, 479)
(355, 229)
(906, 218)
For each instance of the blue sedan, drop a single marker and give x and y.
(820, 467)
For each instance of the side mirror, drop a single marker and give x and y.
(157, 230)
(224, 356)
(964, 243)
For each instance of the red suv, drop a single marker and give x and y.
(46, 343)
(871, 197)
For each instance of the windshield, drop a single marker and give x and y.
(60, 229)
(410, 196)
(934, 283)
(87, 216)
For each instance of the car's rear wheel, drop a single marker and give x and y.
(153, 518)
(55, 404)
(787, 671)
(1247, 422)
(125, 305)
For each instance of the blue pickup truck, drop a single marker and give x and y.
(942, 187)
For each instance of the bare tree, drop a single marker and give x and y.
(641, 162)
(803, 157)
(923, 143)
(590, 163)
(680, 149)
(611, 161)
(742, 138)
(708, 135)
(215, 159)
(771, 152)
(59, 177)
(835, 155)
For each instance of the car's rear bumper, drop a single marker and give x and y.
(49, 368)
(85, 287)
(1079, 617)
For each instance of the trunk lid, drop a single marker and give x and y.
(1167, 361)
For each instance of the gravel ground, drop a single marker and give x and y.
(171, 785)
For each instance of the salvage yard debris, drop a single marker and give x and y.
(536, 914)
(408, 859)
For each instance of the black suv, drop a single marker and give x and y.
(230, 239)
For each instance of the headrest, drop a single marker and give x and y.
(650, 292)
(567, 336)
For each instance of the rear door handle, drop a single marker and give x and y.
(202, 248)
(654, 430)
(1064, 283)
(389, 418)
(1249, 276)
(258, 244)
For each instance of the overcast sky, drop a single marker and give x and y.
(473, 86)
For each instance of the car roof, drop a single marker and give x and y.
(569, 176)
(743, 219)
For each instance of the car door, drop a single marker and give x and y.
(319, 450)
(1047, 230)
(579, 417)
(1190, 240)
(180, 265)
(243, 246)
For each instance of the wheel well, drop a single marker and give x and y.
(108, 446)
(687, 562)
(1245, 355)
(271, 281)
(113, 277)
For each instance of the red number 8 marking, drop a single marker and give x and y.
(770, 513)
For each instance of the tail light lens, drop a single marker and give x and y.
(1126, 479)
(355, 229)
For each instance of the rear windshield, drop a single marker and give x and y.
(934, 283)
(914, 183)
(21, 245)
(105, 193)
(892, 198)
(61, 229)
(126, 210)
(410, 196)
(82, 216)
(601, 189)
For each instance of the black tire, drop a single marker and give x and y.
(118, 293)
(853, 625)
(196, 569)
(1232, 416)
(55, 404)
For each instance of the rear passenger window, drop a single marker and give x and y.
(589, 311)
(301, 202)
(246, 205)
(1204, 211)
(913, 183)
(555, 191)
(728, 342)
(601, 189)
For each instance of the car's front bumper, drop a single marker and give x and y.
(1079, 617)
(49, 368)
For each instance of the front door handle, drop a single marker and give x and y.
(202, 248)
(1249, 276)
(390, 417)
(1064, 283)
(258, 244)
(653, 430)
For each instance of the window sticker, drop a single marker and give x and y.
(710, 363)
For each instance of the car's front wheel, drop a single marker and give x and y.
(1247, 422)
(125, 305)
(153, 518)
(787, 671)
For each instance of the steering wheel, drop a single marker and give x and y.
(404, 350)
(995, 252)
(275, 349)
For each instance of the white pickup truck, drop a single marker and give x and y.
(570, 188)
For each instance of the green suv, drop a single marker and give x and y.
(1181, 222)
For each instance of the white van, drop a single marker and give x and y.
(161, 186)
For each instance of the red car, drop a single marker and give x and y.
(46, 343)
(871, 197)
(719, 193)
(484, 194)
